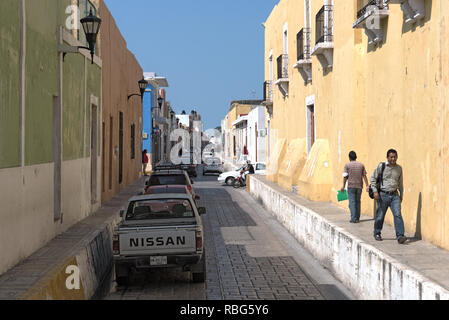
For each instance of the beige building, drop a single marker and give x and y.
(121, 118)
(365, 76)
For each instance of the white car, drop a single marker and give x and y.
(227, 178)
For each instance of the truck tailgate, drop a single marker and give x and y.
(157, 241)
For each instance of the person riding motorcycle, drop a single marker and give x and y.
(249, 169)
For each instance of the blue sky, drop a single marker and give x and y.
(212, 52)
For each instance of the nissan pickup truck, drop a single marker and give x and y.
(159, 230)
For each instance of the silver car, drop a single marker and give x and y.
(212, 165)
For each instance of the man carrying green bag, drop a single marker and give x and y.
(354, 173)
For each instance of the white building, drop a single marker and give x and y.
(256, 132)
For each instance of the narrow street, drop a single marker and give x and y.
(248, 255)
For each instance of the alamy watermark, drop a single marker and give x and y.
(73, 281)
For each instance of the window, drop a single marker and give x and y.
(160, 209)
(111, 127)
(158, 180)
(120, 141)
(323, 25)
(84, 9)
(133, 141)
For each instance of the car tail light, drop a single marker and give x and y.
(190, 188)
(115, 245)
(199, 241)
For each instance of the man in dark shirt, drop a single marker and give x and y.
(248, 170)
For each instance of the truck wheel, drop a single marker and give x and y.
(201, 267)
(122, 281)
(198, 277)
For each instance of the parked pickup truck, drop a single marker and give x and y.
(159, 230)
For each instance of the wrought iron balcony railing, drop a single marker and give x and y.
(368, 3)
(303, 44)
(282, 66)
(323, 23)
(268, 91)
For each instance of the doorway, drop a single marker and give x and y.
(310, 126)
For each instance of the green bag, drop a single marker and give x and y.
(341, 196)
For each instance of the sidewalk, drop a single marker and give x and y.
(86, 245)
(371, 269)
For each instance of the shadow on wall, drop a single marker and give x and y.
(316, 179)
(294, 161)
(407, 27)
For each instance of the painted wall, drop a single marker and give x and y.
(121, 73)
(374, 99)
(148, 104)
(31, 89)
(256, 142)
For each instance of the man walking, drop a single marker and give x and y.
(353, 173)
(387, 195)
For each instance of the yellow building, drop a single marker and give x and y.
(236, 110)
(365, 76)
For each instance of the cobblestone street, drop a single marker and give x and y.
(245, 259)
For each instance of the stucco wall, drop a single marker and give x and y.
(121, 73)
(374, 99)
(30, 84)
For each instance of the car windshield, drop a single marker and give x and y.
(159, 209)
(166, 190)
(157, 180)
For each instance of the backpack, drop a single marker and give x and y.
(379, 182)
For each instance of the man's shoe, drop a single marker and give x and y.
(356, 221)
(402, 239)
(350, 221)
(378, 237)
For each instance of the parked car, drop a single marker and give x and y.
(159, 230)
(173, 188)
(188, 164)
(206, 156)
(166, 166)
(170, 177)
(228, 178)
(212, 165)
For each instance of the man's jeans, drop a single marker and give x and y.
(394, 202)
(354, 195)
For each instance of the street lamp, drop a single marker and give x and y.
(91, 26)
(142, 87)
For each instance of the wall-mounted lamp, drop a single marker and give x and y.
(91, 26)
(142, 86)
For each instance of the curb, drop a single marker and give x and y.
(93, 263)
(368, 272)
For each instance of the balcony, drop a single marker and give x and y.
(414, 10)
(282, 73)
(304, 62)
(324, 39)
(370, 18)
(267, 93)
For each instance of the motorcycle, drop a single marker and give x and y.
(239, 181)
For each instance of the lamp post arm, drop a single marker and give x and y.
(135, 94)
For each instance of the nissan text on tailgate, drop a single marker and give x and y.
(159, 230)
